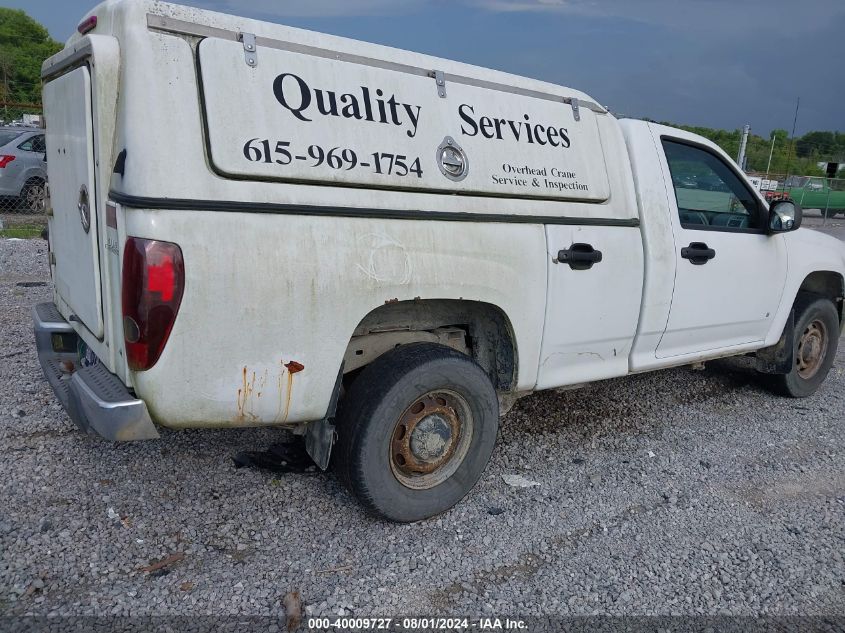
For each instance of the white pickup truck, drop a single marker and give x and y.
(255, 225)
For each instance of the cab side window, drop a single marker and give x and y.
(710, 195)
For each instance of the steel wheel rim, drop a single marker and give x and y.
(811, 349)
(431, 439)
(35, 197)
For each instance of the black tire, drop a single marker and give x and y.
(380, 407)
(34, 196)
(816, 338)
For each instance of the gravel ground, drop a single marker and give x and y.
(680, 492)
(833, 226)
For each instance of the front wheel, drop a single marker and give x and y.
(814, 347)
(415, 431)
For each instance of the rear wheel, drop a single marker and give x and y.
(415, 431)
(814, 346)
(34, 196)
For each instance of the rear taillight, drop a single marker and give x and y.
(5, 160)
(153, 282)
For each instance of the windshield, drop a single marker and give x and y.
(7, 136)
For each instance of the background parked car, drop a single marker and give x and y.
(819, 193)
(23, 169)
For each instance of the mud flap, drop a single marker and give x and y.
(780, 357)
(320, 436)
(319, 439)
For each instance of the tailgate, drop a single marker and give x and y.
(73, 227)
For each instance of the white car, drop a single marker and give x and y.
(256, 225)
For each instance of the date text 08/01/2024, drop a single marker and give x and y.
(415, 624)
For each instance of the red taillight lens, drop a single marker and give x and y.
(5, 160)
(153, 282)
(88, 24)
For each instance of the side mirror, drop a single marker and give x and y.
(784, 215)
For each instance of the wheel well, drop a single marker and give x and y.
(827, 284)
(478, 329)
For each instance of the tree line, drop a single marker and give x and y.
(24, 44)
(799, 156)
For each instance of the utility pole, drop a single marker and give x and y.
(771, 153)
(792, 144)
(740, 159)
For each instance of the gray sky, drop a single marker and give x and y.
(717, 63)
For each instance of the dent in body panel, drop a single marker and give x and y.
(384, 259)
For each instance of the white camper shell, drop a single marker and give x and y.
(259, 225)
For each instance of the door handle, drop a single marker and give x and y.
(579, 256)
(698, 253)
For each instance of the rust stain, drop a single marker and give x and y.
(255, 384)
(242, 397)
(252, 402)
(286, 373)
(245, 405)
(262, 382)
(288, 394)
(279, 384)
(293, 368)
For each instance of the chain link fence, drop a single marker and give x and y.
(23, 170)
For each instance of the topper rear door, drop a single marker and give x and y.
(70, 166)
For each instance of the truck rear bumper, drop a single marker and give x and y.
(93, 397)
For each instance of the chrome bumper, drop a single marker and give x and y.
(94, 398)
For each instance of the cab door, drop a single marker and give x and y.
(730, 274)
